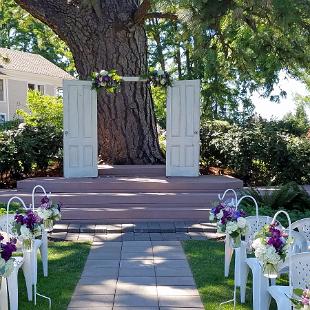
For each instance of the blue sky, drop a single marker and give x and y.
(268, 109)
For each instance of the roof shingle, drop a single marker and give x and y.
(32, 63)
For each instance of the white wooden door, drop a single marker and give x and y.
(183, 125)
(80, 129)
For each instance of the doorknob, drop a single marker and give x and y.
(66, 132)
(195, 132)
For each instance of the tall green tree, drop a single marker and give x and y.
(234, 46)
(20, 30)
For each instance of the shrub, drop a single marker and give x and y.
(43, 110)
(290, 197)
(34, 145)
(258, 152)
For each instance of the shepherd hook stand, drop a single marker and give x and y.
(234, 300)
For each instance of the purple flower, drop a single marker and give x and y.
(30, 219)
(7, 249)
(19, 218)
(276, 242)
(45, 200)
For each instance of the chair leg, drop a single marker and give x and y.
(28, 273)
(283, 304)
(44, 253)
(13, 290)
(243, 281)
(261, 297)
(228, 256)
(4, 304)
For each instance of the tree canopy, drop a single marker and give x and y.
(19, 30)
(234, 46)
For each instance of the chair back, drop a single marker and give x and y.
(300, 264)
(6, 224)
(255, 224)
(300, 243)
(303, 227)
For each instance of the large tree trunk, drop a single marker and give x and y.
(106, 37)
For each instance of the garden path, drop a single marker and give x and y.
(136, 275)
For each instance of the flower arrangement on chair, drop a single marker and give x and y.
(271, 245)
(109, 80)
(301, 299)
(6, 260)
(27, 227)
(230, 221)
(49, 213)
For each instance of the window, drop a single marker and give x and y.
(41, 89)
(59, 92)
(31, 86)
(1, 90)
(2, 118)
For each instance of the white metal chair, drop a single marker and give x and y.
(261, 296)
(44, 245)
(299, 278)
(303, 227)
(243, 263)
(9, 287)
(11, 283)
(229, 251)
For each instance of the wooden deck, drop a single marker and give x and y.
(127, 199)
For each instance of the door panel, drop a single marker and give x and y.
(80, 130)
(183, 125)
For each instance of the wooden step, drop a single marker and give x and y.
(208, 183)
(134, 214)
(132, 170)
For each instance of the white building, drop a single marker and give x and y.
(25, 71)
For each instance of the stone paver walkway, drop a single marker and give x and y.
(136, 275)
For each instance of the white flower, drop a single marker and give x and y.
(44, 213)
(163, 81)
(104, 72)
(160, 72)
(231, 227)
(271, 256)
(25, 232)
(220, 215)
(6, 268)
(211, 217)
(241, 222)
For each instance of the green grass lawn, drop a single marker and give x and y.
(66, 262)
(206, 259)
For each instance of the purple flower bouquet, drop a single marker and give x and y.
(271, 246)
(230, 221)
(49, 213)
(109, 80)
(27, 227)
(6, 260)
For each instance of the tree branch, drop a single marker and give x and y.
(51, 12)
(140, 14)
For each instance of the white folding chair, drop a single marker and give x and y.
(299, 278)
(243, 263)
(303, 227)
